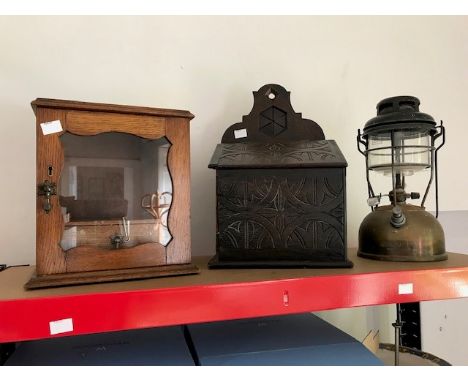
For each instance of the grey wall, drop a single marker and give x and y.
(444, 324)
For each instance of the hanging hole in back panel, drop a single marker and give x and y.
(50, 170)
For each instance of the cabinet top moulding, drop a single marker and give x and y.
(110, 108)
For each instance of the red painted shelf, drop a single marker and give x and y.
(216, 295)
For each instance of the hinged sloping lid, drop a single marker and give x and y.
(293, 154)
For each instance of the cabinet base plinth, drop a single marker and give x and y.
(78, 278)
(216, 263)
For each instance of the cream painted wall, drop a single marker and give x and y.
(337, 69)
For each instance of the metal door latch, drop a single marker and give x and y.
(46, 189)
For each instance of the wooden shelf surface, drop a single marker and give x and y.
(220, 294)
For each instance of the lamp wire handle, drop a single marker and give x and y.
(363, 142)
(434, 167)
(360, 141)
(441, 133)
(392, 137)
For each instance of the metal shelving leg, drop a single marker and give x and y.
(397, 325)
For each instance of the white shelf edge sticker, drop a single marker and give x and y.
(51, 127)
(241, 133)
(405, 288)
(61, 326)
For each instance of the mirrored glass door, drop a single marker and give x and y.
(115, 191)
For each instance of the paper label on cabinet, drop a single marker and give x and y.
(51, 127)
(405, 288)
(61, 326)
(241, 133)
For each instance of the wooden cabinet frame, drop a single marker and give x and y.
(84, 264)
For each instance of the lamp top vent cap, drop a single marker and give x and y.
(393, 112)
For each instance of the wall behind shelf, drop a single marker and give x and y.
(337, 69)
(443, 323)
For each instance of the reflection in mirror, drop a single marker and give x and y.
(115, 191)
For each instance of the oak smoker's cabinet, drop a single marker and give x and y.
(113, 193)
(280, 189)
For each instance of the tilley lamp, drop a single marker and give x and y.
(399, 142)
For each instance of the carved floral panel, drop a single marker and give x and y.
(261, 209)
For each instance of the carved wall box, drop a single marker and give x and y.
(113, 193)
(280, 189)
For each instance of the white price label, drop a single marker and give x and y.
(241, 133)
(61, 326)
(405, 288)
(51, 127)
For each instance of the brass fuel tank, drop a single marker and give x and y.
(419, 238)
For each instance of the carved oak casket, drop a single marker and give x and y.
(281, 190)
